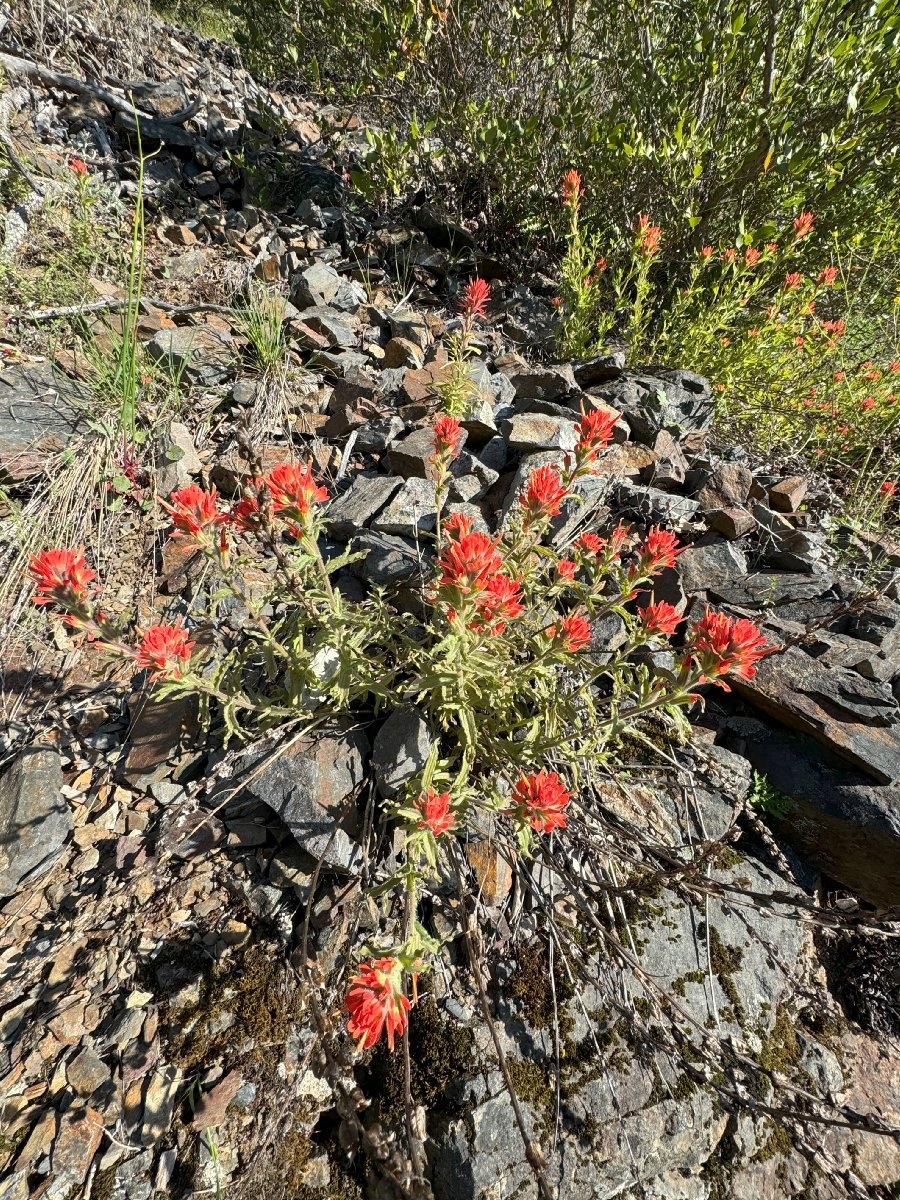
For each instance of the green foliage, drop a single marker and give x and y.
(703, 116)
(767, 798)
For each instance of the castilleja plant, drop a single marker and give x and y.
(506, 664)
(457, 388)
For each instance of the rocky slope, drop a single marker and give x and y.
(161, 897)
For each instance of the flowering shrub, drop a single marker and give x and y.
(766, 324)
(507, 666)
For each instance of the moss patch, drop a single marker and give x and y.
(530, 985)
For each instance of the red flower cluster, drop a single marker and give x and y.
(475, 298)
(660, 618)
(720, 645)
(827, 276)
(590, 544)
(565, 569)
(660, 549)
(648, 235)
(803, 224)
(888, 488)
(706, 252)
(78, 165)
(541, 799)
(543, 496)
(293, 490)
(792, 281)
(573, 633)
(195, 513)
(375, 1001)
(571, 189)
(61, 577)
(472, 576)
(447, 440)
(751, 256)
(595, 431)
(164, 649)
(437, 815)
(835, 328)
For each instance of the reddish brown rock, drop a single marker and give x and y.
(789, 494)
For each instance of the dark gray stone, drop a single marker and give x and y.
(363, 500)
(400, 750)
(410, 456)
(316, 286)
(200, 353)
(412, 511)
(41, 411)
(311, 786)
(35, 818)
(841, 823)
(709, 567)
(678, 401)
(388, 560)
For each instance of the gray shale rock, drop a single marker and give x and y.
(678, 401)
(35, 818)
(202, 353)
(400, 750)
(363, 500)
(41, 411)
(311, 786)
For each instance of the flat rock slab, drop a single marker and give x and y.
(858, 718)
(35, 819)
(311, 787)
(41, 412)
(842, 823)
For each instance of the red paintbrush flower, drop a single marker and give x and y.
(571, 189)
(78, 165)
(722, 645)
(659, 618)
(467, 562)
(565, 569)
(375, 1001)
(751, 256)
(659, 550)
(595, 431)
(61, 577)
(541, 799)
(803, 224)
(293, 487)
(437, 815)
(475, 299)
(500, 602)
(827, 276)
(648, 235)
(447, 440)
(572, 633)
(590, 544)
(888, 488)
(164, 649)
(194, 512)
(792, 281)
(457, 525)
(247, 513)
(544, 495)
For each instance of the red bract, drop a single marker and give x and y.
(659, 550)
(544, 495)
(194, 511)
(468, 562)
(722, 645)
(61, 577)
(457, 525)
(78, 165)
(541, 799)
(595, 431)
(500, 602)
(447, 437)
(648, 235)
(375, 1001)
(246, 514)
(888, 488)
(751, 256)
(792, 281)
(660, 618)
(164, 649)
(294, 491)
(571, 188)
(828, 276)
(565, 569)
(475, 298)
(804, 223)
(590, 543)
(573, 633)
(706, 252)
(437, 815)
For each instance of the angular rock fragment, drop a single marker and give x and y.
(355, 508)
(35, 818)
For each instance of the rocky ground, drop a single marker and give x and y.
(164, 902)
